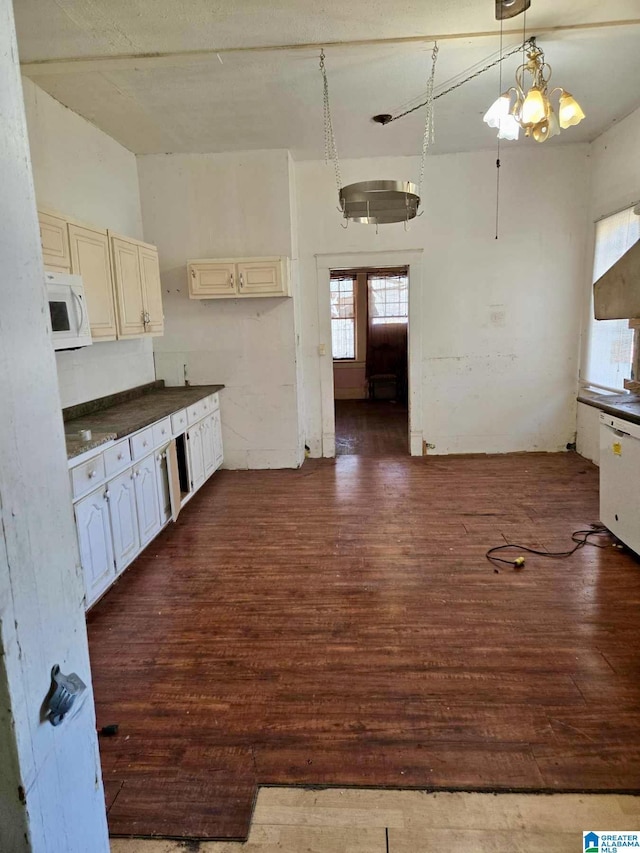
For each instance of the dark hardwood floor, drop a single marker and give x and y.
(339, 625)
(371, 428)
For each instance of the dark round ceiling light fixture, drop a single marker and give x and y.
(510, 8)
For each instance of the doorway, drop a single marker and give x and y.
(369, 348)
(412, 260)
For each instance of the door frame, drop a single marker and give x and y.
(412, 259)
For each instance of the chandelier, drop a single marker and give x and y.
(532, 110)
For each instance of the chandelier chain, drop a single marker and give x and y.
(429, 124)
(330, 148)
(459, 83)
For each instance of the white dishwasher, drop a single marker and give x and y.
(620, 479)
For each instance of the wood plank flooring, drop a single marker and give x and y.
(338, 820)
(371, 428)
(339, 625)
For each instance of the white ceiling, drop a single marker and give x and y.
(185, 98)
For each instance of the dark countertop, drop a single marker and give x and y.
(625, 406)
(119, 419)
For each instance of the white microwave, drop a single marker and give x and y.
(68, 310)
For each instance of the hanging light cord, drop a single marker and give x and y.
(330, 148)
(429, 123)
(457, 85)
(498, 164)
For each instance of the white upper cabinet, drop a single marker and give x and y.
(90, 259)
(211, 279)
(54, 238)
(151, 289)
(136, 275)
(234, 278)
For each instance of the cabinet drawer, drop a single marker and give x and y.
(195, 412)
(161, 432)
(117, 458)
(179, 422)
(213, 402)
(142, 443)
(85, 477)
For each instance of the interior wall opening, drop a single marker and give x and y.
(369, 343)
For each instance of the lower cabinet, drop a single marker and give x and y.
(162, 483)
(196, 456)
(94, 538)
(124, 519)
(128, 509)
(146, 488)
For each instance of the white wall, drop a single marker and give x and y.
(615, 184)
(500, 325)
(51, 795)
(226, 206)
(80, 171)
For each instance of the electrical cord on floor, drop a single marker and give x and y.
(580, 537)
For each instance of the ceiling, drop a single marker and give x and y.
(167, 76)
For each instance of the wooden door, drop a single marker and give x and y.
(90, 259)
(151, 290)
(216, 429)
(196, 456)
(146, 487)
(124, 519)
(54, 238)
(208, 450)
(262, 277)
(94, 539)
(128, 288)
(210, 279)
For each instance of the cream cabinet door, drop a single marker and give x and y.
(162, 483)
(147, 506)
(90, 259)
(196, 456)
(263, 277)
(209, 279)
(128, 288)
(94, 539)
(216, 429)
(151, 290)
(54, 238)
(124, 519)
(208, 450)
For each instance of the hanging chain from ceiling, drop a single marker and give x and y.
(429, 124)
(457, 85)
(330, 149)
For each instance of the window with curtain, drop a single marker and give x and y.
(388, 299)
(343, 317)
(609, 355)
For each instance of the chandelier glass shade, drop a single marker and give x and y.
(531, 108)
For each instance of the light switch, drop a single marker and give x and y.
(322, 349)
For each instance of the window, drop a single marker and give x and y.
(609, 355)
(388, 299)
(343, 317)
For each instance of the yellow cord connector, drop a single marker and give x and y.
(518, 563)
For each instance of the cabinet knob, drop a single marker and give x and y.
(92, 474)
(241, 280)
(231, 279)
(137, 473)
(144, 443)
(193, 273)
(107, 494)
(120, 457)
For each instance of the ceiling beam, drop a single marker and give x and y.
(79, 64)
